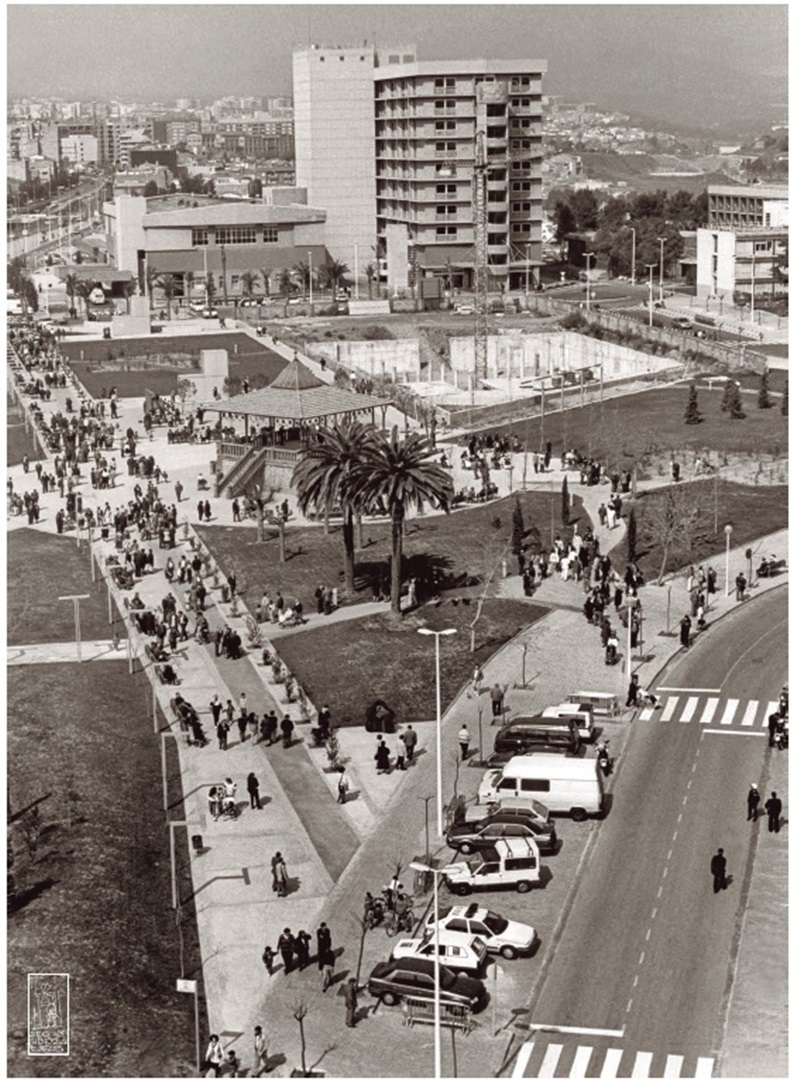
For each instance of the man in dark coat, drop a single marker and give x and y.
(773, 807)
(286, 950)
(324, 943)
(686, 630)
(753, 800)
(718, 870)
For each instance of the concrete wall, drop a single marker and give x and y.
(399, 359)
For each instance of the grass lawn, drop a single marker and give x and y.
(753, 511)
(246, 357)
(459, 546)
(348, 665)
(41, 568)
(626, 429)
(93, 900)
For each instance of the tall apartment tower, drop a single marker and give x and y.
(334, 140)
(454, 140)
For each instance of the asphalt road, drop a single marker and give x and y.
(648, 951)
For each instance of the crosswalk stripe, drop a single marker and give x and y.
(581, 1061)
(730, 710)
(688, 710)
(641, 1064)
(708, 712)
(771, 708)
(550, 1060)
(705, 1067)
(673, 1066)
(750, 713)
(669, 708)
(647, 714)
(523, 1058)
(611, 1062)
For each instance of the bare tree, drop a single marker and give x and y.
(488, 565)
(299, 1013)
(671, 521)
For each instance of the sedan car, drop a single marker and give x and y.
(506, 937)
(457, 950)
(469, 836)
(391, 981)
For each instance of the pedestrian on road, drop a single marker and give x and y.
(410, 740)
(324, 944)
(718, 870)
(383, 762)
(213, 1060)
(497, 695)
(686, 630)
(633, 691)
(259, 1052)
(326, 963)
(252, 788)
(463, 741)
(286, 950)
(213, 802)
(741, 586)
(351, 1002)
(301, 941)
(178, 491)
(268, 957)
(773, 807)
(753, 800)
(342, 786)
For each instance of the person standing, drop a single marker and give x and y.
(350, 1002)
(477, 679)
(497, 695)
(718, 869)
(252, 788)
(213, 1059)
(633, 691)
(326, 963)
(324, 944)
(741, 585)
(400, 761)
(753, 800)
(287, 727)
(268, 957)
(280, 875)
(286, 950)
(773, 807)
(382, 758)
(686, 630)
(259, 1052)
(241, 721)
(463, 742)
(301, 941)
(342, 786)
(222, 735)
(410, 740)
(215, 705)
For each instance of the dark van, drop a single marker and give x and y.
(526, 734)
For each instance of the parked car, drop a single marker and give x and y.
(457, 950)
(210, 313)
(515, 862)
(506, 937)
(391, 981)
(469, 836)
(464, 309)
(524, 806)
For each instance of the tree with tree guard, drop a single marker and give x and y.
(692, 412)
(763, 401)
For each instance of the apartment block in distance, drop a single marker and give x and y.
(434, 122)
(745, 248)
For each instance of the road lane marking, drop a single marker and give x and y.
(647, 939)
(523, 1058)
(730, 710)
(708, 712)
(750, 713)
(771, 708)
(572, 1030)
(653, 913)
(691, 690)
(669, 708)
(669, 854)
(628, 1007)
(675, 835)
(647, 713)
(732, 732)
(688, 710)
(660, 890)
(641, 957)
(673, 1066)
(550, 1060)
(705, 1067)
(611, 1063)
(636, 980)
(581, 1061)
(641, 1064)
(664, 874)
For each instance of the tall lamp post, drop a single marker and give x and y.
(439, 797)
(651, 267)
(662, 241)
(437, 1015)
(589, 257)
(633, 254)
(728, 531)
(527, 269)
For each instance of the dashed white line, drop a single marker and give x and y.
(653, 913)
(647, 936)
(628, 1007)
(641, 957)
(669, 854)
(660, 890)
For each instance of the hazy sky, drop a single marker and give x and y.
(699, 63)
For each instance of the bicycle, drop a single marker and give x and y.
(400, 922)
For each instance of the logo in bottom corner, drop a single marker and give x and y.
(48, 1013)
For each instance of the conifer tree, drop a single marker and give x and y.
(763, 401)
(692, 413)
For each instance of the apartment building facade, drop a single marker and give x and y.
(745, 248)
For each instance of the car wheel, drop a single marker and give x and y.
(389, 998)
(578, 814)
(523, 887)
(465, 847)
(509, 953)
(462, 889)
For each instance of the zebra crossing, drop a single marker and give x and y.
(544, 1058)
(708, 709)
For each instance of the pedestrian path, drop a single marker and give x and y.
(707, 708)
(64, 652)
(546, 1058)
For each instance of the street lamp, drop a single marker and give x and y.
(437, 1016)
(753, 284)
(527, 269)
(439, 797)
(633, 255)
(589, 256)
(651, 267)
(662, 241)
(728, 531)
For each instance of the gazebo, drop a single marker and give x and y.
(279, 421)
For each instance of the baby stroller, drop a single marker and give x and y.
(612, 650)
(227, 798)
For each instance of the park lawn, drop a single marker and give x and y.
(752, 510)
(625, 429)
(41, 567)
(94, 901)
(348, 665)
(246, 357)
(461, 546)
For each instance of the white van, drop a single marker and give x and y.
(567, 785)
(581, 713)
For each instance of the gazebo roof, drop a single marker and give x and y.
(295, 376)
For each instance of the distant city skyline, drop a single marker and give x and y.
(695, 65)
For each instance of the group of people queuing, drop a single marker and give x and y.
(399, 756)
(701, 584)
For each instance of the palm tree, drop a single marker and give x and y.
(168, 283)
(71, 285)
(334, 272)
(83, 289)
(405, 475)
(287, 287)
(266, 273)
(329, 474)
(152, 278)
(302, 274)
(188, 284)
(248, 280)
(371, 273)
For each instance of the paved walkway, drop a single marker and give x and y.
(334, 853)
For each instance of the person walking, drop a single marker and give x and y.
(241, 721)
(268, 957)
(350, 1002)
(342, 786)
(214, 1057)
(278, 865)
(773, 807)
(215, 705)
(301, 941)
(383, 762)
(287, 728)
(400, 761)
(497, 695)
(718, 869)
(326, 963)
(463, 741)
(477, 679)
(324, 944)
(259, 1052)
(410, 740)
(753, 800)
(741, 586)
(686, 630)
(633, 691)
(286, 950)
(252, 788)
(222, 734)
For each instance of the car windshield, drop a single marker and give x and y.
(496, 924)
